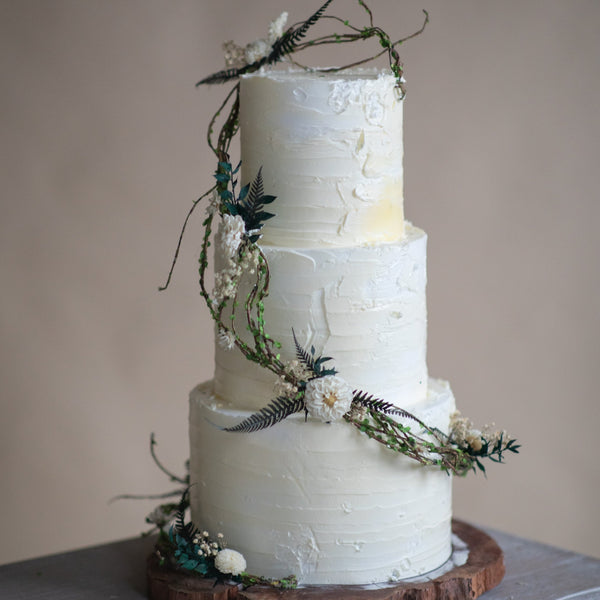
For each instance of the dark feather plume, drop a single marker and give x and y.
(227, 74)
(387, 408)
(186, 530)
(302, 355)
(290, 39)
(270, 415)
(283, 46)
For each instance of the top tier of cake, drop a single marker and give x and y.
(332, 156)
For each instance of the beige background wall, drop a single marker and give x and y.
(102, 153)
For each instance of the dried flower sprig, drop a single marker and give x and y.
(262, 52)
(327, 397)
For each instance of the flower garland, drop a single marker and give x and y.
(304, 384)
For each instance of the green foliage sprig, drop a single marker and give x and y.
(250, 205)
(385, 423)
(314, 364)
(292, 42)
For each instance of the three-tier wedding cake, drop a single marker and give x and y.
(313, 497)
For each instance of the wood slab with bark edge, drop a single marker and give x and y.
(483, 570)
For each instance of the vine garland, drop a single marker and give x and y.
(309, 386)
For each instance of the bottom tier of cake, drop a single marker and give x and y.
(319, 500)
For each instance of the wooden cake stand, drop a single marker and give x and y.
(483, 570)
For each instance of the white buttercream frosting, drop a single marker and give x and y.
(315, 499)
(320, 500)
(364, 306)
(331, 151)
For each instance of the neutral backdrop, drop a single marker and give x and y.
(103, 151)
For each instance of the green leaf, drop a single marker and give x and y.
(243, 193)
(190, 564)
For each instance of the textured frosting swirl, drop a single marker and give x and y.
(318, 499)
(331, 151)
(364, 306)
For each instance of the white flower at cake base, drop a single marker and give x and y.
(230, 562)
(231, 234)
(328, 398)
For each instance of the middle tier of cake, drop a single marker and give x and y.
(364, 306)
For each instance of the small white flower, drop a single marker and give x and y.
(237, 57)
(250, 259)
(226, 282)
(328, 398)
(231, 234)
(359, 413)
(474, 440)
(277, 27)
(230, 562)
(257, 50)
(213, 203)
(459, 427)
(296, 369)
(226, 339)
(284, 388)
(234, 55)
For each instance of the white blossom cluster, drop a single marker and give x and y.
(230, 562)
(284, 388)
(205, 546)
(226, 283)
(328, 398)
(228, 279)
(277, 27)
(359, 413)
(240, 256)
(463, 432)
(237, 56)
(296, 369)
(213, 203)
(256, 50)
(230, 236)
(226, 339)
